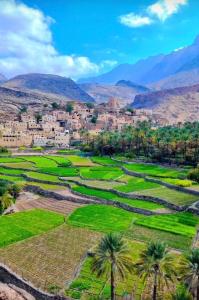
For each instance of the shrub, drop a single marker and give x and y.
(38, 148)
(194, 174)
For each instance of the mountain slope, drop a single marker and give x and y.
(124, 91)
(175, 105)
(157, 68)
(49, 84)
(2, 78)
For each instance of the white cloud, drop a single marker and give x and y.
(26, 45)
(133, 20)
(163, 9)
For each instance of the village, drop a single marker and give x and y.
(57, 127)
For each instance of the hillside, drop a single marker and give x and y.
(124, 91)
(174, 105)
(175, 69)
(2, 78)
(49, 84)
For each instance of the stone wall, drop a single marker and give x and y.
(9, 277)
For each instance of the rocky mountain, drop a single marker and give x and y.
(174, 105)
(124, 91)
(2, 78)
(162, 71)
(49, 84)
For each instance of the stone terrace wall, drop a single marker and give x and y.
(9, 277)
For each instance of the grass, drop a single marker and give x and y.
(104, 160)
(10, 171)
(155, 170)
(12, 178)
(40, 176)
(10, 160)
(178, 182)
(59, 159)
(80, 161)
(180, 223)
(69, 152)
(113, 197)
(20, 165)
(136, 184)
(102, 173)
(145, 234)
(50, 258)
(40, 161)
(94, 183)
(22, 225)
(175, 197)
(46, 186)
(60, 171)
(102, 218)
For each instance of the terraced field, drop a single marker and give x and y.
(61, 248)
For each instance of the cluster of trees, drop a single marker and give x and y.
(157, 268)
(171, 144)
(8, 194)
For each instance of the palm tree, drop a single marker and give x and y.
(189, 268)
(112, 258)
(156, 264)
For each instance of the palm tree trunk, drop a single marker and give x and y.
(197, 293)
(155, 286)
(112, 282)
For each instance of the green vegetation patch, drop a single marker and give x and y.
(145, 234)
(20, 165)
(40, 176)
(10, 171)
(59, 159)
(105, 161)
(12, 178)
(10, 160)
(60, 171)
(175, 197)
(22, 225)
(102, 218)
(136, 184)
(156, 170)
(79, 160)
(46, 186)
(40, 161)
(180, 223)
(113, 197)
(101, 172)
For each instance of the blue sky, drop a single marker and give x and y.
(93, 34)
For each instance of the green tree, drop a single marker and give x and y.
(69, 107)
(189, 270)
(55, 105)
(112, 259)
(181, 294)
(156, 266)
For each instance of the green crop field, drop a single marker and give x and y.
(80, 161)
(112, 197)
(179, 223)
(155, 170)
(107, 161)
(11, 171)
(175, 197)
(60, 171)
(46, 186)
(20, 165)
(101, 172)
(12, 178)
(22, 225)
(40, 176)
(10, 160)
(102, 218)
(59, 159)
(136, 184)
(40, 161)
